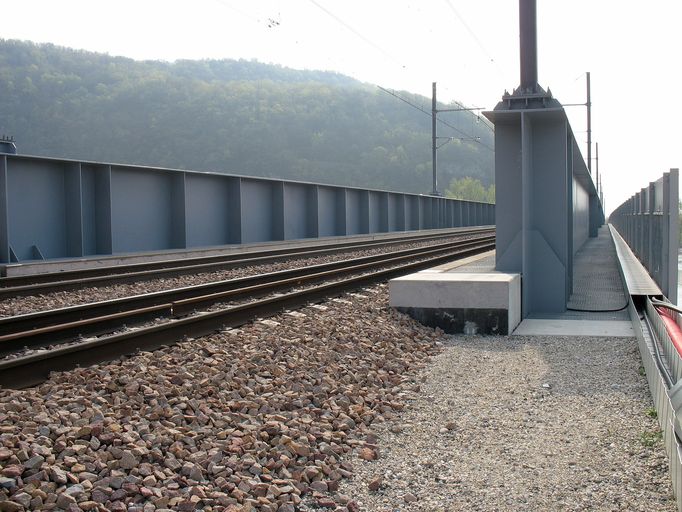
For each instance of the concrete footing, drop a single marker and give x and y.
(460, 302)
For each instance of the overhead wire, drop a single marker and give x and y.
(371, 43)
(389, 55)
(356, 32)
(473, 35)
(238, 11)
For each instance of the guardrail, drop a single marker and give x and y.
(663, 365)
(649, 223)
(669, 352)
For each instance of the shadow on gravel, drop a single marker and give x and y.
(571, 365)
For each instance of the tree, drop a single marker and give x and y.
(470, 189)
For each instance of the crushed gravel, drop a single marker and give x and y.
(522, 423)
(344, 406)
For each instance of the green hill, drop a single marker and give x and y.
(240, 117)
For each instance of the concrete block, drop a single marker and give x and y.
(470, 303)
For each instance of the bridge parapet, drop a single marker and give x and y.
(649, 223)
(56, 208)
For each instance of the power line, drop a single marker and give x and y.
(471, 32)
(429, 113)
(395, 61)
(392, 93)
(354, 31)
(238, 11)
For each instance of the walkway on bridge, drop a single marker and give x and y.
(598, 304)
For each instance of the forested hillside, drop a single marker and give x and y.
(238, 117)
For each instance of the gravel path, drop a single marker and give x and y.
(506, 423)
(279, 416)
(30, 304)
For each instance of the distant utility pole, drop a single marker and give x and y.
(434, 135)
(596, 161)
(434, 138)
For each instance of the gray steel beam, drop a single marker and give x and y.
(535, 204)
(73, 191)
(313, 216)
(103, 224)
(383, 212)
(365, 212)
(673, 233)
(178, 207)
(4, 211)
(414, 219)
(280, 215)
(457, 217)
(543, 212)
(342, 212)
(235, 227)
(55, 208)
(401, 212)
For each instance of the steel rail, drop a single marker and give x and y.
(309, 247)
(77, 279)
(56, 325)
(32, 369)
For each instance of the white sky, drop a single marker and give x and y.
(469, 47)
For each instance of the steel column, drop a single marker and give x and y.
(528, 45)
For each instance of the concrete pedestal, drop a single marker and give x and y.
(469, 303)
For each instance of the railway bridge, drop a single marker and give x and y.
(174, 340)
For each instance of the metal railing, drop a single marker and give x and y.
(649, 223)
(669, 353)
(663, 365)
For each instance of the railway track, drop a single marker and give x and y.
(194, 311)
(17, 286)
